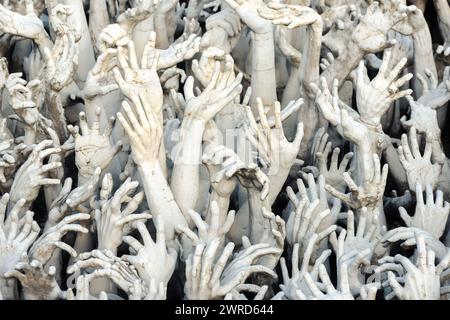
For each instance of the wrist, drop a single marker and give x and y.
(193, 122)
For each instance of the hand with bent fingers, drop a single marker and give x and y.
(358, 249)
(44, 247)
(369, 194)
(292, 16)
(153, 259)
(141, 80)
(208, 278)
(217, 228)
(143, 129)
(291, 284)
(328, 210)
(37, 282)
(106, 265)
(33, 173)
(302, 224)
(422, 279)
(274, 150)
(216, 95)
(16, 234)
(113, 222)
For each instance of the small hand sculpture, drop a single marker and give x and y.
(153, 260)
(16, 234)
(113, 222)
(37, 283)
(419, 168)
(422, 279)
(369, 194)
(33, 173)
(44, 247)
(206, 279)
(374, 97)
(430, 216)
(274, 150)
(92, 148)
(208, 232)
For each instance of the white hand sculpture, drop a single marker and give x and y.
(208, 232)
(98, 81)
(37, 283)
(302, 224)
(92, 148)
(61, 62)
(206, 279)
(216, 95)
(107, 265)
(371, 32)
(422, 280)
(316, 191)
(430, 216)
(369, 194)
(274, 150)
(16, 234)
(113, 222)
(340, 292)
(33, 173)
(434, 95)
(373, 98)
(177, 52)
(333, 174)
(296, 282)
(28, 26)
(203, 69)
(357, 249)
(153, 260)
(72, 200)
(422, 118)
(419, 168)
(248, 11)
(44, 247)
(141, 80)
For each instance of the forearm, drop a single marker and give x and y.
(263, 69)
(291, 92)
(423, 57)
(85, 48)
(141, 35)
(309, 66)
(162, 37)
(186, 175)
(160, 199)
(443, 13)
(98, 19)
(395, 167)
(276, 183)
(43, 42)
(223, 204)
(56, 113)
(30, 136)
(256, 219)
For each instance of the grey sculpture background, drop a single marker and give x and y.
(253, 140)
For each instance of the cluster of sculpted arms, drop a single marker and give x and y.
(225, 149)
